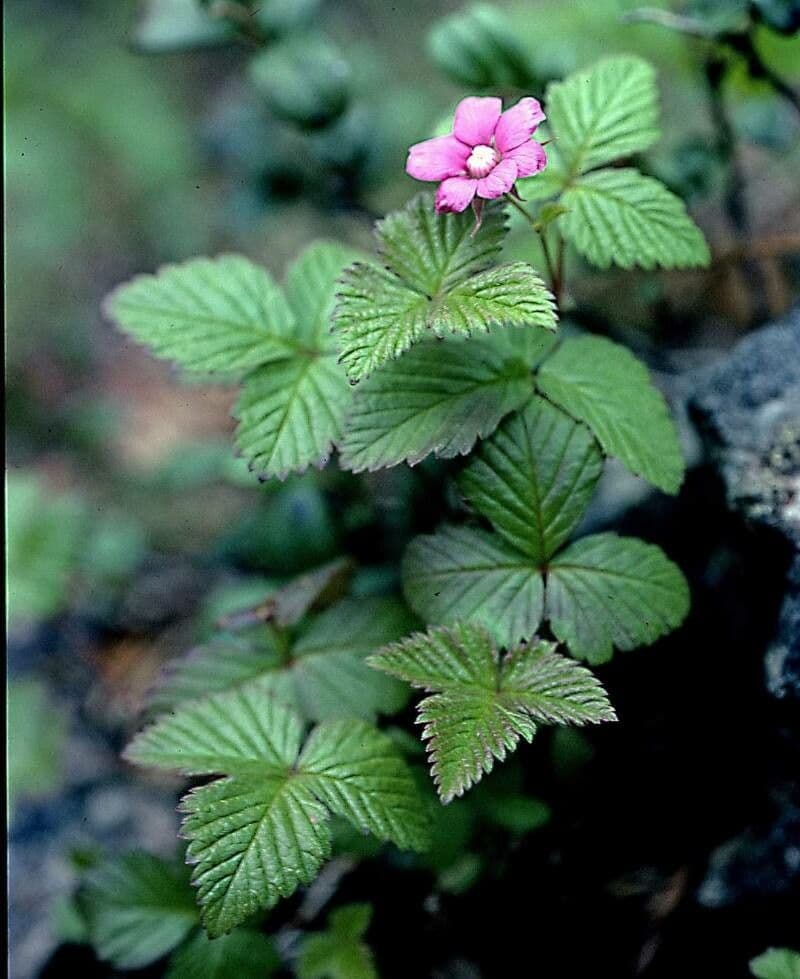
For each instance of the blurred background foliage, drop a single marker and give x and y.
(145, 133)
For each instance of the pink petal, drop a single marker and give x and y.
(436, 159)
(530, 158)
(455, 194)
(517, 124)
(475, 120)
(499, 181)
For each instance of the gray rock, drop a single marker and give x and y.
(748, 412)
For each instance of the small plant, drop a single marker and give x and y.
(436, 347)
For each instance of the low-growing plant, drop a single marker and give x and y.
(433, 346)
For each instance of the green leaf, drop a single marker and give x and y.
(602, 384)
(603, 113)
(178, 25)
(605, 591)
(290, 413)
(262, 831)
(304, 80)
(481, 705)
(224, 314)
(332, 679)
(776, 963)
(534, 478)
(340, 951)
(479, 48)
(620, 217)
(437, 280)
(138, 908)
(322, 675)
(36, 738)
(240, 955)
(460, 573)
(440, 397)
(44, 535)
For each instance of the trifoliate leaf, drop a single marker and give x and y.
(340, 951)
(603, 113)
(776, 963)
(290, 413)
(138, 908)
(440, 397)
(602, 384)
(262, 831)
(322, 674)
(534, 478)
(224, 314)
(605, 591)
(461, 573)
(481, 705)
(597, 593)
(620, 217)
(240, 955)
(437, 280)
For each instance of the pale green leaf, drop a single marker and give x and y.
(461, 573)
(224, 314)
(438, 281)
(328, 659)
(138, 908)
(602, 384)
(44, 532)
(311, 292)
(242, 731)
(433, 252)
(240, 955)
(776, 963)
(620, 217)
(340, 951)
(322, 674)
(291, 413)
(439, 398)
(608, 111)
(534, 478)
(605, 591)
(481, 705)
(230, 660)
(253, 839)
(359, 774)
(258, 834)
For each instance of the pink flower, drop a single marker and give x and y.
(485, 154)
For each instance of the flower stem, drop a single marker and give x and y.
(555, 270)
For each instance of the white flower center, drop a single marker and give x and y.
(482, 160)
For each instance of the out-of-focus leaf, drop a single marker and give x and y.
(340, 951)
(242, 954)
(36, 730)
(44, 537)
(478, 48)
(303, 80)
(138, 908)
